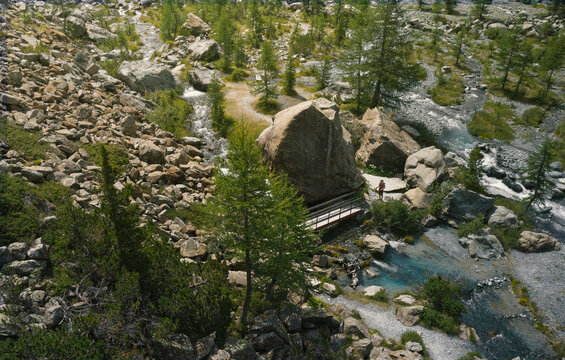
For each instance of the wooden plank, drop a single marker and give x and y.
(332, 217)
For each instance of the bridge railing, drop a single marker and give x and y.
(334, 210)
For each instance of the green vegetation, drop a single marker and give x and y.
(439, 192)
(471, 356)
(266, 86)
(117, 156)
(532, 117)
(259, 215)
(469, 175)
(492, 122)
(396, 217)
(170, 19)
(37, 49)
(289, 77)
(472, 227)
(537, 175)
(112, 65)
(414, 337)
(381, 296)
(449, 90)
(126, 39)
(237, 75)
(220, 121)
(25, 142)
(171, 113)
(445, 309)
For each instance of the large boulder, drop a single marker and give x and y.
(417, 198)
(146, 76)
(356, 328)
(174, 347)
(424, 168)
(384, 144)
(75, 27)
(240, 349)
(98, 34)
(151, 153)
(308, 143)
(205, 50)
(465, 205)
(537, 242)
(195, 25)
(483, 246)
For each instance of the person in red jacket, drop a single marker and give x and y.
(381, 189)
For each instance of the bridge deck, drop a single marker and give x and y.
(333, 211)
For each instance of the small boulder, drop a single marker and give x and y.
(17, 250)
(406, 299)
(38, 250)
(376, 245)
(355, 328)
(537, 242)
(372, 290)
(201, 78)
(465, 205)
(417, 198)
(177, 346)
(192, 248)
(151, 153)
(76, 27)
(239, 349)
(424, 168)
(360, 349)
(483, 246)
(504, 218)
(129, 126)
(98, 34)
(410, 315)
(205, 50)
(25, 267)
(53, 316)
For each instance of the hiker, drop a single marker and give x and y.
(381, 189)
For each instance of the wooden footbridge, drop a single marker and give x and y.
(333, 211)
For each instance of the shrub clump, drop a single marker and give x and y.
(171, 113)
(448, 91)
(396, 217)
(413, 336)
(492, 122)
(533, 116)
(445, 308)
(25, 142)
(472, 227)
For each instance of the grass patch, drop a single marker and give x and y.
(171, 113)
(381, 296)
(471, 356)
(492, 122)
(126, 38)
(25, 142)
(237, 75)
(414, 337)
(37, 49)
(376, 170)
(436, 320)
(449, 90)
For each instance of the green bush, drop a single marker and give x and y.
(18, 221)
(25, 142)
(444, 296)
(381, 296)
(436, 320)
(472, 227)
(117, 157)
(59, 344)
(532, 117)
(54, 192)
(469, 175)
(471, 356)
(492, 33)
(492, 122)
(439, 192)
(237, 75)
(396, 217)
(37, 49)
(171, 113)
(414, 337)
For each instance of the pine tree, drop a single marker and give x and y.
(390, 46)
(450, 6)
(255, 24)
(171, 19)
(537, 169)
(524, 59)
(266, 86)
(552, 60)
(323, 76)
(508, 45)
(240, 57)
(457, 48)
(353, 60)
(224, 35)
(479, 10)
(289, 77)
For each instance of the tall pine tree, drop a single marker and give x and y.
(266, 86)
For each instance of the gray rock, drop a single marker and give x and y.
(537, 242)
(195, 26)
(410, 315)
(18, 250)
(504, 218)
(204, 50)
(33, 176)
(317, 318)
(76, 27)
(417, 198)
(308, 143)
(338, 341)
(25, 267)
(151, 153)
(360, 349)
(355, 328)
(453, 160)
(239, 349)
(98, 34)
(205, 346)
(406, 299)
(268, 341)
(201, 78)
(38, 250)
(146, 76)
(174, 347)
(7, 327)
(376, 245)
(53, 316)
(465, 205)
(372, 290)
(512, 185)
(425, 168)
(12, 102)
(292, 319)
(220, 355)
(5, 256)
(129, 126)
(192, 248)
(14, 78)
(483, 246)
(384, 144)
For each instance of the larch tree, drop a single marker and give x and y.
(479, 10)
(220, 121)
(524, 59)
(537, 175)
(552, 60)
(289, 79)
(171, 19)
(225, 29)
(457, 47)
(508, 45)
(266, 86)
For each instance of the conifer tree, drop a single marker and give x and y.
(479, 10)
(552, 60)
(266, 86)
(524, 59)
(537, 169)
(289, 76)
(224, 35)
(508, 46)
(220, 121)
(457, 48)
(239, 55)
(323, 76)
(255, 24)
(171, 19)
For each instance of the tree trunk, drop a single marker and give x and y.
(248, 289)
(546, 90)
(377, 94)
(458, 54)
(520, 79)
(539, 177)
